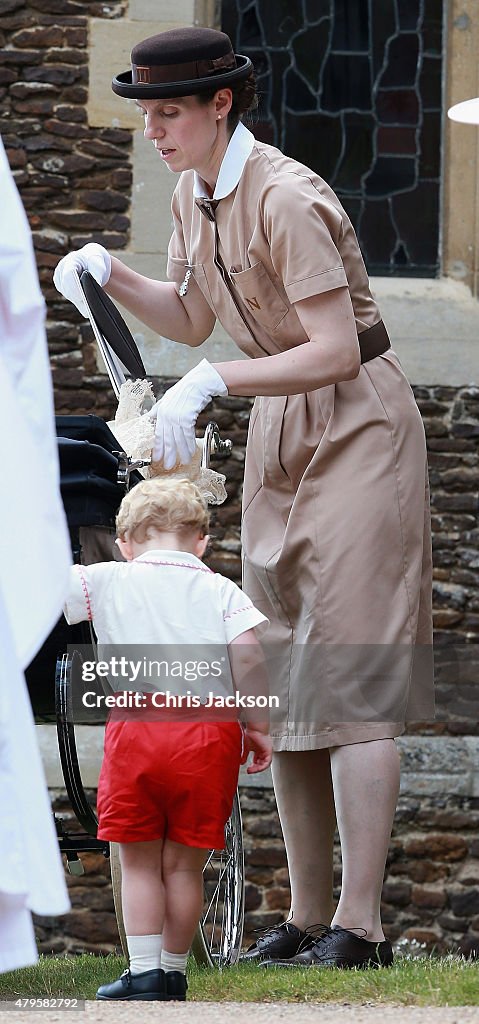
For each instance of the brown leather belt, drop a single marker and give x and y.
(373, 342)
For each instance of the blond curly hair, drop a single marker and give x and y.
(166, 506)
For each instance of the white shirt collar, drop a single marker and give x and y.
(171, 557)
(232, 165)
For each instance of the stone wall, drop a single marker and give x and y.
(74, 180)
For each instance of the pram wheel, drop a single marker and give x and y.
(217, 942)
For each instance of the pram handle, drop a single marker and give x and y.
(212, 445)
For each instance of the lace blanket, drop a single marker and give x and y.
(135, 433)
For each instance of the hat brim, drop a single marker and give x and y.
(466, 112)
(123, 85)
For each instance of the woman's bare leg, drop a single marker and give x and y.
(366, 787)
(304, 795)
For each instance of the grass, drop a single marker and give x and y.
(425, 981)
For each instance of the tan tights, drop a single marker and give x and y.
(356, 786)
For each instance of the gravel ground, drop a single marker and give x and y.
(244, 1013)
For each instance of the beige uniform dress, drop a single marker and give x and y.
(335, 533)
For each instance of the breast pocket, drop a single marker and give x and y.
(259, 295)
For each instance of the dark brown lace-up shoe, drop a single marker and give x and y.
(338, 947)
(283, 940)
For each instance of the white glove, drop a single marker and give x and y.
(176, 414)
(91, 257)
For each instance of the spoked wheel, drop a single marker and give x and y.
(69, 669)
(217, 942)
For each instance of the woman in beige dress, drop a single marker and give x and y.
(335, 527)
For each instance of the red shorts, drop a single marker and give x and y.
(172, 780)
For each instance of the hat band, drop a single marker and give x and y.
(165, 73)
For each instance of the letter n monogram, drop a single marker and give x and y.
(253, 303)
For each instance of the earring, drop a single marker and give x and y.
(219, 117)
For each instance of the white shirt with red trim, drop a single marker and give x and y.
(160, 597)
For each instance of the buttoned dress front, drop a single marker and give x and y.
(335, 529)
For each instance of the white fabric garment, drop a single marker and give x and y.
(162, 598)
(34, 561)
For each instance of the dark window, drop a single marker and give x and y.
(352, 88)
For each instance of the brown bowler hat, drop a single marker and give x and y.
(181, 62)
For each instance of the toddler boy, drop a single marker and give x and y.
(167, 785)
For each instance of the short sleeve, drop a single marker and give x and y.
(239, 613)
(78, 605)
(178, 265)
(303, 229)
(177, 257)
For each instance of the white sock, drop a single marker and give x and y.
(145, 952)
(173, 961)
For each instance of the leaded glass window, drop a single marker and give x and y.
(352, 88)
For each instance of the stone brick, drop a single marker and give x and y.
(273, 856)
(73, 220)
(437, 847)
(435, 427)
(450, 923)
(91, 898)
(58, 74)
(7, 75)
(281, 877)
(457, 502)
(39, 36)
(94, 928)
(465, 904)
(253, 897)
(76, 36)
(427, 935)
(102, 149)
(110, 239)
(397, 893)
(278, 898)
(468, 945)
(35, 105)
(466, 428)
(104, 200)
(71, 113)
(65, 55)
(425, 897)
(446, 618)
(20, 57)
(451, 444)
(23, 90)
(262, 826)
(16, 158)
(10, 5)
(68, 164)
(449, 594)
(36, 143)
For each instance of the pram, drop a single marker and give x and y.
(94, 476)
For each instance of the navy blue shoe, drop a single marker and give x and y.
(176, 985)
(148, 985)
